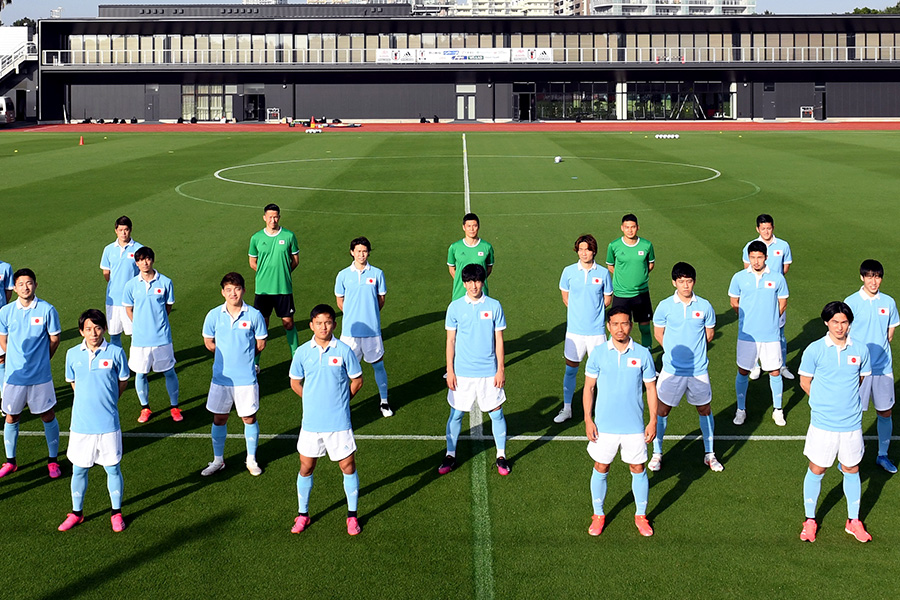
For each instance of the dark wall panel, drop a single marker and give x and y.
(279, 96)
(107, 101)
(863, 99)
(169, 101)
(791, 96)
(378, 101)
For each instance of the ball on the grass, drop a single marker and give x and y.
(677, 136)
(558, 159)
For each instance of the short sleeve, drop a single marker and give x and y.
(170, 293)
(564, 280)
(254, 252)
(607, 283)
(660, 315)
(382, 285)
(351, 364)
(808, 362)
(450, 322)
(489, 261)
(295, 247)
(53, 324)
(592, 368)
(648, 369)
(128, 295)
(451, 256)
(122, 361)
(70, 368)
(710, 316)
(610, 255)
(783, 288)
(3, 327)
(296, 371)
(339, 285)
(651, 256)
(734, 288)
(260, 331)
(499, 318)
(865, 366)
(209, 324)
(788, 259)
(893, 318)
(104, 260)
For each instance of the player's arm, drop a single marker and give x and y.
(612, 269)
(54, 344)
(105, 276)
(129, 310)
(565, 297)
(168, 308)
(380, 301)
(890, 334)
(607, 300)
(710, 334)
(587, 399)
(785, 268)
(451, 354)
(650, 266)
(297, 386)
(452, 269)
(294, 261)
(658, 333)
(339, 300)
(3, 342)
(254, 263)
(652, 404)
(123, 385)
(210, 343)
(735, 304)
(500, 377)
(488, 270)
(782, 305)
(806, 381)
(355, 385)
(260, 345)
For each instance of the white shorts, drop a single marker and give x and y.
(40, 398)
(670, 388)
(470, 389)
(767, 353)
(117, 320)
(158, 358)
(578, 345)
(822, 447)
(338, 444)
(245, 399)
(878, 388)
(634, 449)
(370, 349)
(88, 449)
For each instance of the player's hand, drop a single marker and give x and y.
(500, 379)
(650, 433)
(451, 381)
(590, 429)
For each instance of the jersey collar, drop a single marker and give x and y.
(594, 265)
(331, 344)
(353, 266)
(244, 307)
(611, 345)
(865, 296)
(477, 241)
(677, 299)
(84, 347)
(637, 241)
(764, 271)
(473, 302)
(29, 307)
(271, 235)
(830, 343)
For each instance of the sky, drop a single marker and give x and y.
(40, 9)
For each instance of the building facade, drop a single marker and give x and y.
(635, 8)
(243, 62)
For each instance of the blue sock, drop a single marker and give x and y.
(380, 379)
(219, 433)
(304, 487)
(570, 382)
(707, 427)
(741, 382)
(812, 487)
(776, 383)
(498, 427)
(351, 489)
(115, 484)
(783, 340)
(79, 487)
(885, 426)
(661, 424)
(172, 386)
(115, 339)
(454, 426)
(251, 435)
(598, 490)
(853, 493)
(640, 487)
(10, 438)
(51, 434)
(142, 387)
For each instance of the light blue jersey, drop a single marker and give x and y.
(96, 376)
(834, 393)
(6, 281)
(778, 254)
(119, 261)
(28, 332)
(619, 407)
(149, 300)
(873, 316)
(475, 322)
(684, 340)
(360, 290)
(759, 295)
(235, 339)
(326, 375)
(588, 290)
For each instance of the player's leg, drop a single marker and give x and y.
(770, 361)
(10, 435)
(218, 433)
(598, 497)
(304, 487)
(881, 389)
(642, 311)
(670, 389)
(821, 448)
(454, 426)
(139, 362)
(284, 308)
(373, 351)
(785, 372)
(51, 433)
(574, 349)
(78, 488)
(498, 429)
(351, 490)
(707, 431)
(747, 356)
(849, 456)
(291, 333)
(634, 453)
(251, 437)
(172, 388)
(115, 485)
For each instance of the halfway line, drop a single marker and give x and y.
(468, 202)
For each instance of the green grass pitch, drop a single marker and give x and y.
(470, 534)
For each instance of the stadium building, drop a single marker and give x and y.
(247, 62)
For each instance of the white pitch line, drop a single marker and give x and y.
(477, 437)
(468, 203)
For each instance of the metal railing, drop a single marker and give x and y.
(351, 56)
(11, 62)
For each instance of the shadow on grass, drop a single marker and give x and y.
(532, 342)
(406, 325)
(682, 466)
(87, 583)
(31, 476)
(365, 410)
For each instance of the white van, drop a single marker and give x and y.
(7, 110)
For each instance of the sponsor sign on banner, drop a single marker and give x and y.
(389, 56)
(526, 55)
(469, 55)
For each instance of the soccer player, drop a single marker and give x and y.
(475, 370)
(148, 300)
(630, 260)
(876, 319)
(471, 250)
(359, 290)
(274, 254)
(683, 325)
(235, 333)
(586, 291)
(326, 374)
(99, 374)
(616, 370)
(6, 288)
(831, 370)
(119, 267)
(759, 296)
(779, 260)
(29, 334)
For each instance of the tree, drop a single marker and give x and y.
(890, 10)
(25, 22)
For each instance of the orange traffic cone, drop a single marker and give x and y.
(81, 141)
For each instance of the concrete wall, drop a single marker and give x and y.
(107, 101)
(377, 101)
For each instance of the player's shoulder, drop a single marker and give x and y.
(642, 352)
(703, 302)
(116, 352)
(43, 305)
(492, 302)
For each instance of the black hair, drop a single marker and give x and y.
(764, 218)
(94, 316)
(24, 273)
(630, 217)
(834, 308)
(144, 252)
(618, 310)
(473, 273)
(683, 269)
(872, 268)
(360, 241)
(471, 217)
(123, 220)
(233, 278)
(321, 309)
(757, 246)
(271, 207)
